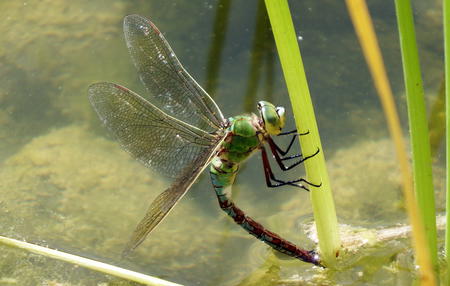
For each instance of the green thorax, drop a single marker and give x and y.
(244, 136)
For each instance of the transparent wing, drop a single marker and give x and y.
(154, 138)
(164, 203)
(176, 92)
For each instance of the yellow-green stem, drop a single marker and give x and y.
(446, 4)
(364, 29)
(316, 172)
(87, 263)
(420, 142)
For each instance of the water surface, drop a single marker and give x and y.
(66, 184)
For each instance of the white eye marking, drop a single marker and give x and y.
(280, 111)
(277, 110)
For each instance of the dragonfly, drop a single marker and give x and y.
(178, 130)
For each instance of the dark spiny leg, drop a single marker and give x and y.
(274, 148)
(288, 133)
(270, 176)
(270, 238)
(292, 132)
(290, 143)
(297, 156)
(292, 157)
(288, 147)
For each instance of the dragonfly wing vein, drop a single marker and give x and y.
(165, 202)
(153, 137)
(165, 78)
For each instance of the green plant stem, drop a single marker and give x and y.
(87, 263)
(421, 154)
(359, 13)
(294, 74)
(446, 7)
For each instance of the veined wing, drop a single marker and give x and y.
(165, 78)
(164, 203)
(154, 138)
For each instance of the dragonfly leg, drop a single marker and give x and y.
(290, 143)
(275, 152)
(288, 147)
(284, 152)
(293, 132)
(278, 183)
(292, 157)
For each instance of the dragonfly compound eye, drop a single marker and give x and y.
(272, 116)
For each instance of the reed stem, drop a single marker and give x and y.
(316, 172)
(366, 34)
(420, 138)
(446, 19)
(86, 263)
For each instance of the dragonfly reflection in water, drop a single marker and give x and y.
(187, 132)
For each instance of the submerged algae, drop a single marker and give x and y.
(71, 189)
(44, 65)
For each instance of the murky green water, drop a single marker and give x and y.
(64, 183)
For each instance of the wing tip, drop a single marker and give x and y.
(135, 240)
(104, 84)
(126, 251)
(139, 21)
(94, 88)
(128, 19)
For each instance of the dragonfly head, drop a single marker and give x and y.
(272, 116)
